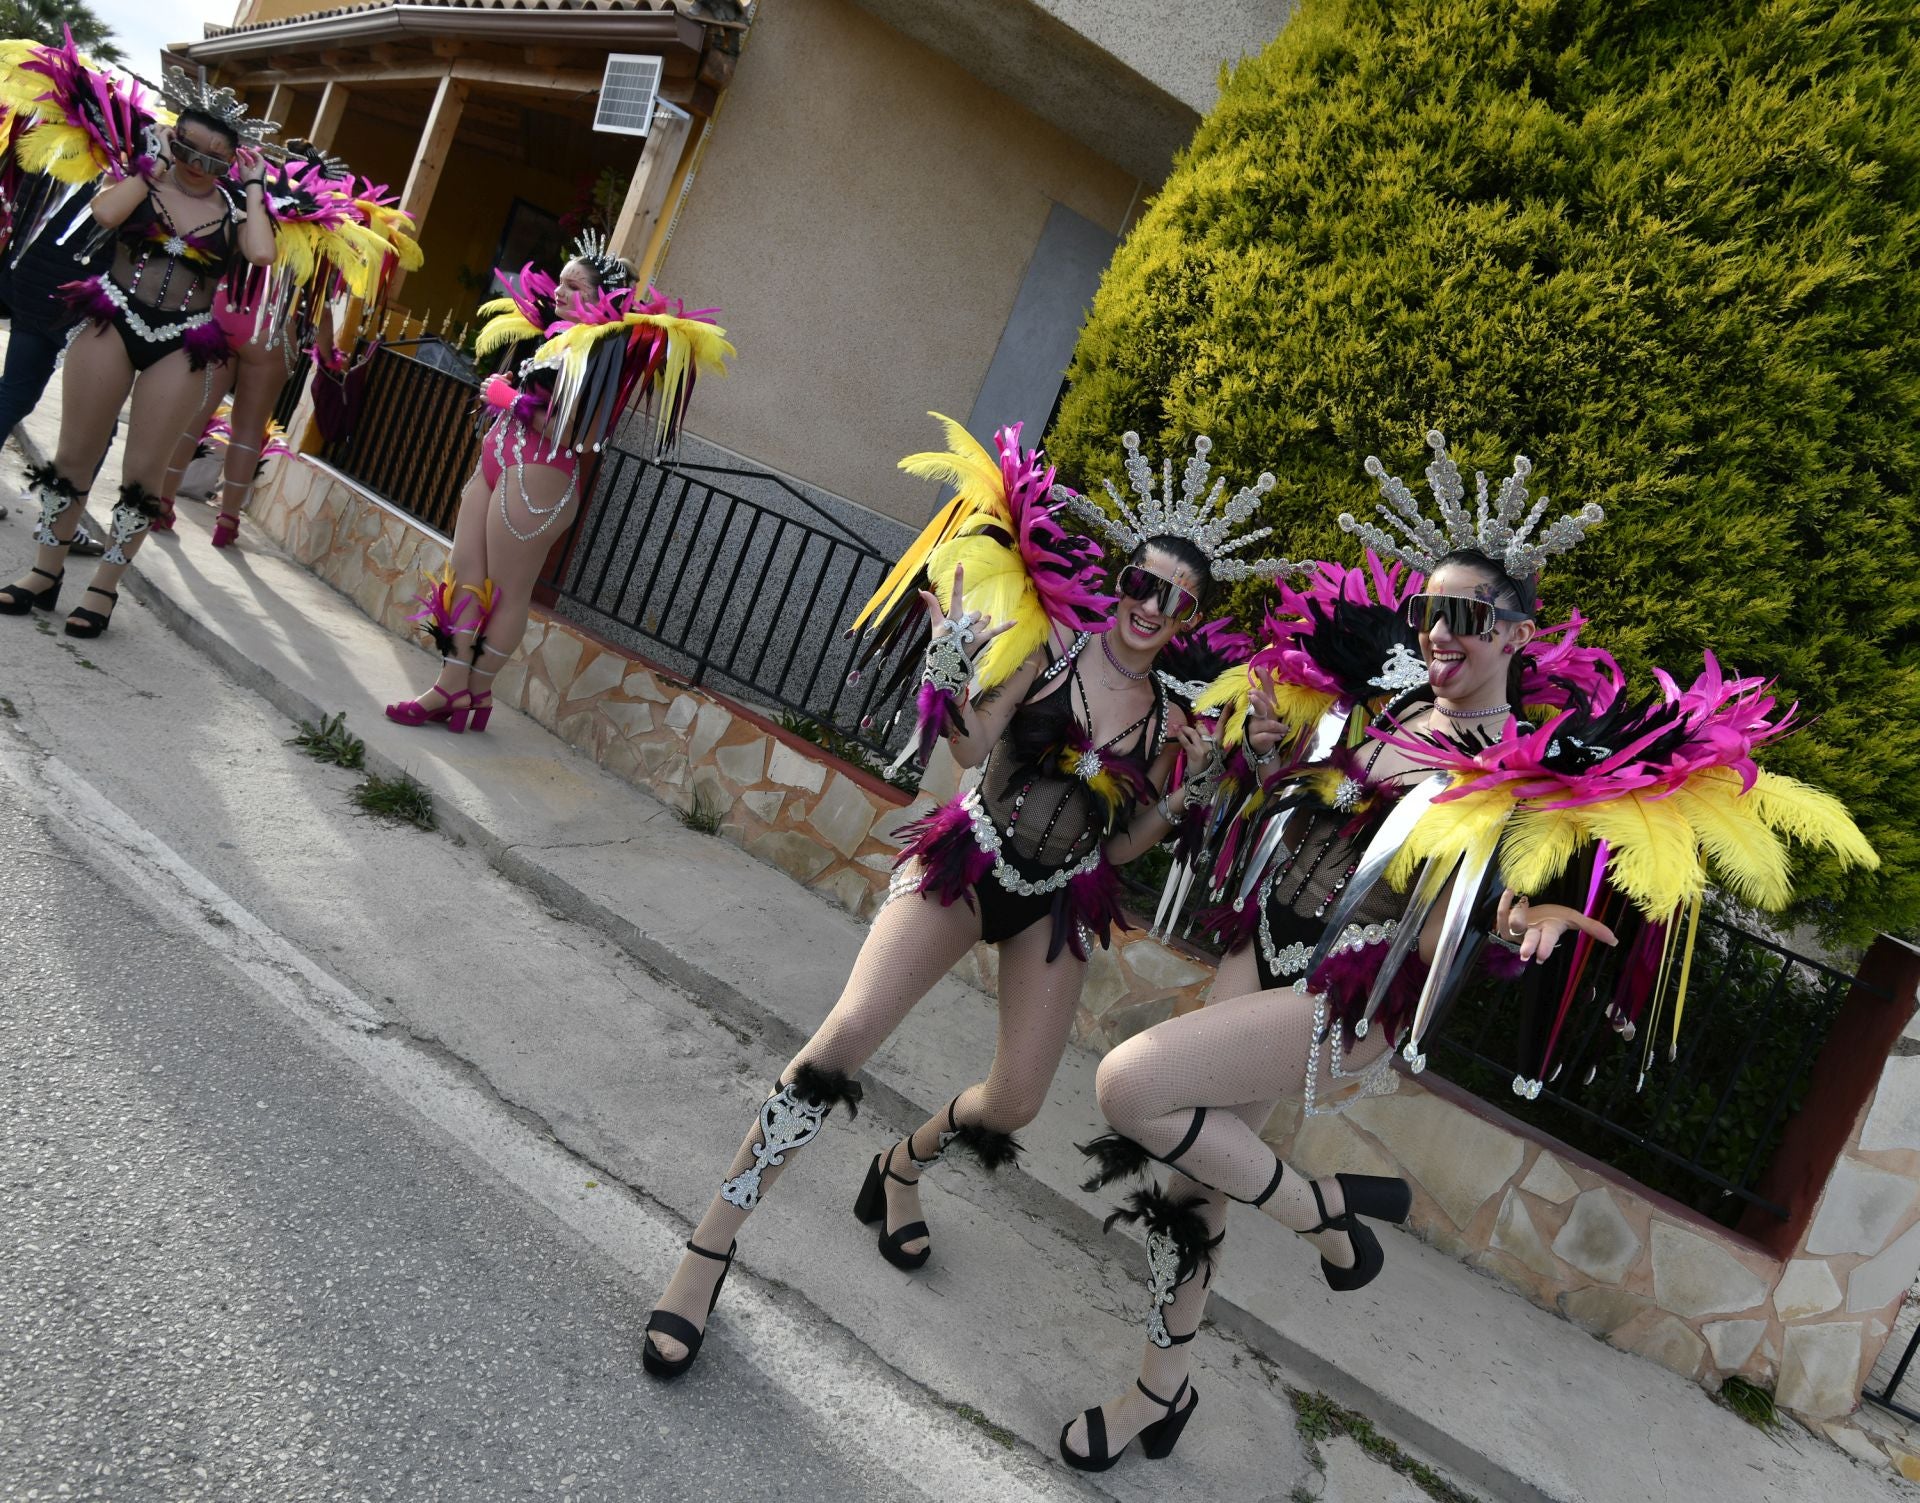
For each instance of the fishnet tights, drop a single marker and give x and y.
(914, 941)
(1238, 1058)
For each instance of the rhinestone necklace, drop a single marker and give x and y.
(1119, 667)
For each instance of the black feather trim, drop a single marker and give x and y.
(1114, 1158)
(1177, 1219)
(827, 1088)
(44, 477)
(136, 497)
(994, 1149)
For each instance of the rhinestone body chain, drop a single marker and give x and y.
(546, 516)
(1374, 1078)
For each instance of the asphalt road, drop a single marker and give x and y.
(237, 1267)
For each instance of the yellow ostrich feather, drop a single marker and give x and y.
(974, 473)
(395, 229)
(483, 597)
(1226, 697)
(62, 152)
(1790, 807)
(1653, 855)
(1451, 830)
(505, 325)
(296, 251)
(692, 345)
(996, 584)
(1748, 859)
(1539, 845)
(1299, 708)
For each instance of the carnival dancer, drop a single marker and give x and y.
(176, 228)
(605, 344)
(1448, 787)
(324, 249)
(1049, 686)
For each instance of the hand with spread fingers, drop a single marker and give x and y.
(1538, 927)
(972, 630)
(1264, 730)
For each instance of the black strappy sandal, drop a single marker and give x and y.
(17, 600)
(92, 623)
(1374, 1195)
(678, 1327)
(1156, 1441)
(871, 1206)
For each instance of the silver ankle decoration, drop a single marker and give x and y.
(53, 506)
(1163, 1267)
(128, 523)
(787, 1121)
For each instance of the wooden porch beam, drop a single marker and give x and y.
(511, 76)
(652, 181)
(279, 101)
(327, 118)
(430, 156)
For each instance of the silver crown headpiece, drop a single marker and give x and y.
(1196, 514)
(222, 104)
(612, 273)
(1502, 531)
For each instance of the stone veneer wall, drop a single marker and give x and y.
(1569, 1233)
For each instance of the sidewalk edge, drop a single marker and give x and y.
(727, 1001)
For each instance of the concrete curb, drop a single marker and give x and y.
(728, 1002)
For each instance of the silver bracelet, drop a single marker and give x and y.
(1261, 759)
(947, 666)
(1165, 811)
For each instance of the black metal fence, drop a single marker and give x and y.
(415, 442)
(295, 388)
(748, 597)
(1703, 1126)
(1899, 1354)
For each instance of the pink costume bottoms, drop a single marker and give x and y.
(507, 446)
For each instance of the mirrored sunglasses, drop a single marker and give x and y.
(200, 161)
(1176, 601)
(1464, 615)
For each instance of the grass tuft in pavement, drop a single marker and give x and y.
(1321, 1419)
(979, 1421)
(331, 741)
(1751, 1402)
(404, 799)
(7, 709)
(702, 814)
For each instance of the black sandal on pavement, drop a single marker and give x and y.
(17, 600)
(1156, 1441)
(678, 1327)
(871, 1206)
(91, 623)
(1374, 1195)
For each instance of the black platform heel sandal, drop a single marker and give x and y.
(91, 623)
(871, 1206)
(1373, 1195)
(1156, 1441)
(17, 600)
(678, 1327)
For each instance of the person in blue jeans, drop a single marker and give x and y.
(39, 319)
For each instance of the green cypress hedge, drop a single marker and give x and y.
(1669, 250)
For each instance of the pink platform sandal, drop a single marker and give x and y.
(473, 715)
(415, 712)
(163, 522)
(226, 529)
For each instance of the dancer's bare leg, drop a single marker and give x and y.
(218, 380)
(165, 397)
(513, 560)
(95, 382)
(1037, 1003)
(1165, 1368)
(1165, 1088)
(469, 563)
(261, 374)
(914, 941)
